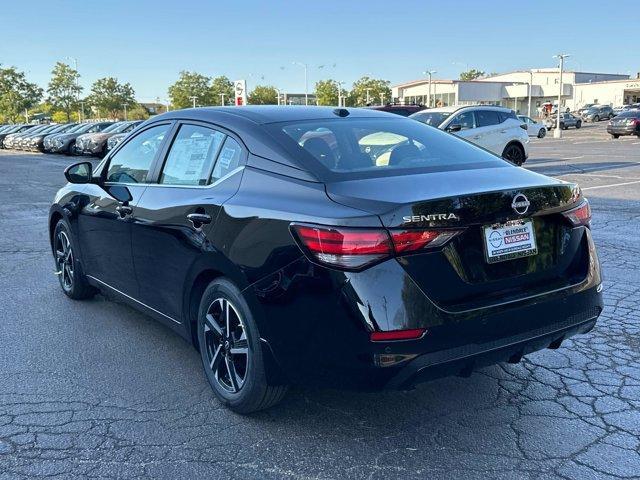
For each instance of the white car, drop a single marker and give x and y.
(496, 129)
(534, 129)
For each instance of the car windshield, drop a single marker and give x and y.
(83, 128)
(431, 118)
(376, 147)
(122, 127)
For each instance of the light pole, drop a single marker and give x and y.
(221, 98)
(125, 110)
(306, 81)
(530, 87)
(429, 72)
(340, 97)
(279, 93)
(381, 98)
(561, 56)
(75, 67)
(368, 98)
(194, 98)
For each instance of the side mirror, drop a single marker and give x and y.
(455, 127)
(81, 172)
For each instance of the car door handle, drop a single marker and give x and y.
(199, 219)
(124, 210)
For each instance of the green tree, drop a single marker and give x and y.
(472, 74)
(63, 89)
(327, 92)
(221, 85)
(263, 95)
(16, 94)
(137, 112)
(378, 92)
(109, 96)
(188, 85)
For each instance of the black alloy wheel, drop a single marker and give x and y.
(227, 347)
(64, 260)
(514, 153)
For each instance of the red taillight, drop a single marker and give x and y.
(392, 335)
(355, 248)
(581, 215)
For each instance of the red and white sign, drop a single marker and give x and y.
(240, 92)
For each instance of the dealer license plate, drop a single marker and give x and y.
(506, 241)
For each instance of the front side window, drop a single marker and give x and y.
(191, 156)
(131, 163)
(465, 119)
(431, 118)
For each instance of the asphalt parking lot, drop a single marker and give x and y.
(96, 390)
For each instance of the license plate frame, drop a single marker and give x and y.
(520, 233)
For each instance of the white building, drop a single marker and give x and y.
(512, 90)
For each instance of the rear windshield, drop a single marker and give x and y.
(375, 147)
(629, 113)
(431, 118)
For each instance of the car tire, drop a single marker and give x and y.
(578, 124)
(596, 118)
(563, 126)
(231, 351)
(542, 133)
(615, 135)
(514, 153)
(71, 276)
(70, 150)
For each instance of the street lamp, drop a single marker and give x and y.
(429, 72)
(194, 98)
(75, 67)
(340, 96)
(222, 98)
(530, 87)
(279, 93)
(368, 98)
(125, 110)
(306, 82)
(561, 56)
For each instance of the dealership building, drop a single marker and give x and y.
(512, 90)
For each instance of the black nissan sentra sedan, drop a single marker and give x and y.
(340, 247)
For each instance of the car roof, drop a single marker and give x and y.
(263, 114)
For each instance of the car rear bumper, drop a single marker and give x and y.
(623, 130)
(317, 323)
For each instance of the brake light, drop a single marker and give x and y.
(580, 215)
(392, 335)
(355, 248)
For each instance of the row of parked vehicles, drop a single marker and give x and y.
(88, 138)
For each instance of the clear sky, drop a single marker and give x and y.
(148, 42)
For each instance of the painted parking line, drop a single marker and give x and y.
(611, 185)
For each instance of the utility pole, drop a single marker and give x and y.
(279, 93)
(429, 72)
(561, 56)
(381, 98)
(368, 98)
(194, 98)
(82, 105)
(125, 110)
(306, 81)
(221, 98)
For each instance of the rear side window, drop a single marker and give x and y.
(131, 163)
(504, 116)
(191, 156)
(377, 147)
(228, 160)
(485, 118)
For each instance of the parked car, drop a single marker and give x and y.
(626, 123)
(11, 140)
(595, 114)
(65, 143)
(495, 128)
(22, 142)
(47, 143)
(96, 143)
(534, 128)
(286, 264)
(404, 110)
(586, 107)
(36, 141)
(13, 130)
(566, 120)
